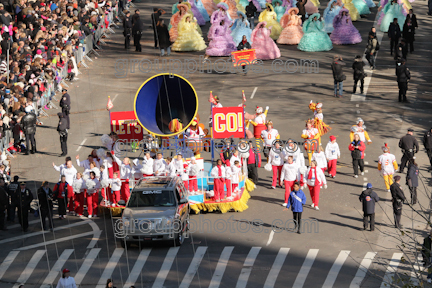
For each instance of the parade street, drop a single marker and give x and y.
(257, 247)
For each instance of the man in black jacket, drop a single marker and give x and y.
(394, 33)
(409, 146)
(412, 181)
(427, 142)
(157, 12)
(338, 74)
(65, 104)
(368, 198)
(371, 48)
(137, 29)
(250, 14)
(127, 26)
(63, 132)
(23, 198)
(45, 196)
(403, 76)
(398, 198)
(358, 73)
(28, 126)
(11, 188)
(401, 50)
(302, 10)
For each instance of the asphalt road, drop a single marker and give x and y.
(337, 254)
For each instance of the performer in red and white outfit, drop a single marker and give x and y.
(276, 160)
(80, 191)
(107, 161)
(290, 174)
(311, 133)
(259, 121)
(193, 172)
(147, 164)
(92, 196)
(115, 188)
(320, 158)
(234, 157)
(218, 173)
(236, 172)
(137, 173)
(269, 136)
(125, 175)
(315, 179)
(387, 165)
(332, 153)
(228, 183)
(159, 165)
(191, 134)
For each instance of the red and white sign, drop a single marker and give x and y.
(228, 122)
(126, 126)
(243, 57)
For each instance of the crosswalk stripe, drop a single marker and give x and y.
(221, 266)
(25, 275)
(249, 262)
(109, 269)
(334, 271)
(55, 241)
(136, 270)
(277, 265)
(391, 269)
(85, 267)
(362, 270)
(7, 262)
(166, 266)
(193, 267)
(304, 270)
(57, 268)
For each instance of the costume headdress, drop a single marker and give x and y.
(259, 109)
(385, 148)
(223, 6)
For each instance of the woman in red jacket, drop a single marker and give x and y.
(357, 148)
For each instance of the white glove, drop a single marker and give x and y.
(311, 102)
(325, 186)
(267, 107)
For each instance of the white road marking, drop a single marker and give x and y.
(253, 93)
(304, 270)
(364, 179)
(334, 271)
(25, 275)
(391, 269)
(366, 171)
(193, 267)
(366, 162)
(85, 267)
(362, 270)
(7, 262)
(115, 96)
(55, 270)
(82, 143)
(220, 267)
(136, 270)
(166, 266)
(96, 236)
(249, 262)
(55, 241)
(109, 269)
(277, 265)
(270, 238)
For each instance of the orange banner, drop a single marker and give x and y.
(243, 57)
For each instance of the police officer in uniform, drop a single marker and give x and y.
(11, 188)
(127, 26)
(65, 104)
(4, 201)
(23, 198)
(62, 130)
(409, 146)
(398, 198)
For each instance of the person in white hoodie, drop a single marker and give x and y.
(218, 174)
(290, 174)
(236, 172)
(116, 184)
(171, 169)
(125, 175)
(86, 163)
(79, 193)
(93, 196)
(228, 178)
(66, 281)
(234, 157)
(107, 161)
(67, 170)
(276, 160)
(159, 165)
(178, 164)
(136, 169)
(193, 173)
(315, 179)
(332, 154)
(147, 163)
(104, 176)
(320, 158)
(294, 151)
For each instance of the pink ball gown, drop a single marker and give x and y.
(265, 47)
(292, 32)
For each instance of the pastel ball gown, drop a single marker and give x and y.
(202, 10)
(344, 31)
(370, 3)
(241, 27)
(189, 39)
(392, 10)
(210, 6)
(270, 18)
(222, 43)
(232, 8)
(312, 6)
(355, 15)
(314, 38)
(217, 18)
(265, 47)
(175, 20)
(197, 13)
(279, 10)
(329, 14)
(292, 32)
(361, 6)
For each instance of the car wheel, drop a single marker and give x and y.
(124, 243)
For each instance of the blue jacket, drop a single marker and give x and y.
(296, 205)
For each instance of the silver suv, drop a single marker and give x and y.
(157, 210)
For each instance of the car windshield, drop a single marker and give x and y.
(152, 198)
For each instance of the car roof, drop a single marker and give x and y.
(163, 182)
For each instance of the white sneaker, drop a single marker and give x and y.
(388, 190)
(334, 176)
(362, 173)
(273, 187)
(429, 280)
(312, 205)
(284, 204)
(89, 216)
(355, 176)
(316, 208)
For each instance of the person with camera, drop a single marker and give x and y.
(338, 75)
(398, 198)
(409, 146)
(45, 196)
(357, 148)
(65, 104)
(63, 132)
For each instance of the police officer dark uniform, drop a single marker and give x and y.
(63, 132)
(409, 146)
(11, 188)
(4, 201)
(398, 198)
(28, 126)
(23, 198)
(65, 104)
(127, 29)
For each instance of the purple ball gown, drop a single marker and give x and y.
(222, 43)
(344, 31)
(197, 14)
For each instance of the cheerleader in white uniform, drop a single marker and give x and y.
(171, 169)
(290, 174)
(147, 168)
(125, 175)
(107, 161)
(137, 174)
(159, 165)
(79, 187)
(104, 176)
(234, 158)
(235, 179)
(320, 158)
(276, 160)
(92, 195)
(218, 174)
(228, 179)
(116, 184)
(193, 173)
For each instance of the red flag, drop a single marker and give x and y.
(212, 99)
(244, 96)
(109, 104)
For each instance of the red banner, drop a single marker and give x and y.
(243, 57)
(228, 122)
(126, 126)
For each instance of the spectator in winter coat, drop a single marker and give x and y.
(394, 34)
(427, 142)
(250, 14)
(45, 196)
(403, 76)
(28, 126)
(398, 198)
(357, 148)
(408, 33)
(358, 73)
(338, 74)
(296, 200)
(368, 197)
(63, 192)
(412, 181)
(163, 37)
(332, 153)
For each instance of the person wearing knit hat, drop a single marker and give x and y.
(368, 198)
(332, 153)
(398, 198)
(387, 165)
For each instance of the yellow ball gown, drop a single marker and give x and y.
(352, 10)
(270, 17)
(189, 39)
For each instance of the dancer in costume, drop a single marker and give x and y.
(270, 18)
(209, 6)
(344, 31)
(352, 9)
(222, 43)
(258, 120)
(279, 9)
(406, 6)
(392, 10)
(311, 133)
(174, 8)
(262, 3)
(240, 6)
(360, 129)
(265, 47)
(175, 20)
(202, 10)
(292, 32)
(329, 14)
(188, 39)
(312, 6)
(387, 165)
(244, 3)
(370, 3)
(232, 9)
(217, 17)
(319, 118)
(197, 13)
(314, 38)
(361, 6)
(242, 27)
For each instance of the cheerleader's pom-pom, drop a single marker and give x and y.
(104, 183)
(90, 184)
(101, 153)
(86, 177)
(106, 140)
(76, 186)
